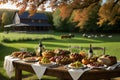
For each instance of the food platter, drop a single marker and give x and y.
(94, 66)
(71, 67)
(30, 59)
(47, 64)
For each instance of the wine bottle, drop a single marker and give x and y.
(90, 52)
(40, 48)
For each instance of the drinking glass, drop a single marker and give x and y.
(23, 49)
(74, 49)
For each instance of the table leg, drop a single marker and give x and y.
(18, 74)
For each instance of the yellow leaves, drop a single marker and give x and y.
(83, 15)
(53, 4)
(18, 4)
(77, 16)
(42, 7)
(32, 9)
(65, 11)
(109, 13)
(3, 1)
(31, 0)
(118, 11)
(23, 8)
(80, 16)
(101, 21)
(75, 3)
(32, 12)
(25, 1)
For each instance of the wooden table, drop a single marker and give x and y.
(61, 72)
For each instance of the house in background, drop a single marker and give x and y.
(24, 22)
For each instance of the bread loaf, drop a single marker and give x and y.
(107, 60)
(48, 54)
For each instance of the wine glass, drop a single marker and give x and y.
(74, 49)
(23, 49)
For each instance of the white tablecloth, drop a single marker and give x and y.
(39, 70)
(76, 73)
(113, 66)
(8, 65)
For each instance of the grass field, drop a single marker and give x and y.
(52, 41)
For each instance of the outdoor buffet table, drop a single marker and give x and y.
(63, 73)
(63, 64)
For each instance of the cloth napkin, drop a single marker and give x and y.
(76, 73)
(8, 65)
(39, 69)
(114, 66)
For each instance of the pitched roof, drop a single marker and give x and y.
(35, 16)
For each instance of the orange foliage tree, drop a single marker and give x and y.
(35, 4)
(109, 12)
(81, 11)
(82, 16)
(65, 10)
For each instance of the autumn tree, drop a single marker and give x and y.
(5, 20)
(57, 18)
(83, 12)
(50, 18)
(87, 17)
(91, 23)
(65, 10)
(65, 25)
(74, 11)
(7, 16)
(61, 18)
(33, 5)
(109, 13)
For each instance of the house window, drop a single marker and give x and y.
(33, 21)
(39, 21)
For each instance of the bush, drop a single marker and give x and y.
(63, 25)
(1, 45)
(7, 40)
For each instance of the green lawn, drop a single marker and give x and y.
(54, 41)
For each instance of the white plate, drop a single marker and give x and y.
(70, 67)
(48, 64)
(90, 66)
(30, 59)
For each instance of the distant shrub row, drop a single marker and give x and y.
(1, 45)
(7, 40)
